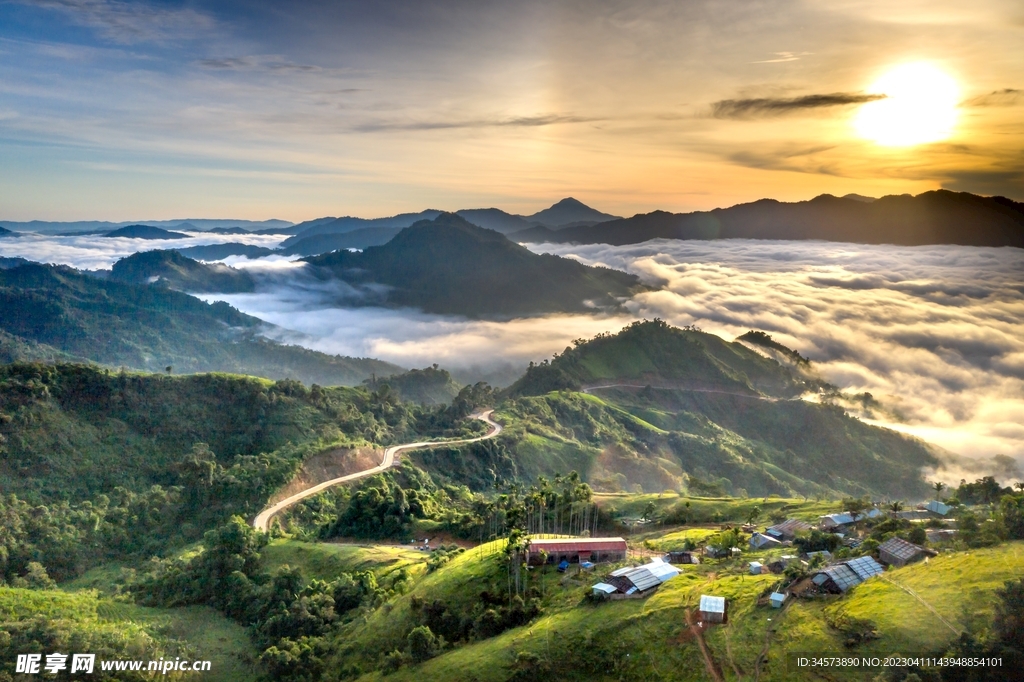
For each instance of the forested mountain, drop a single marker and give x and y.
(173, 270)
(665, 402)
(354, 239)
(938, 217)
(450, 266)
(221, 251)
(427, 386)
(150, 327)
(145, 232)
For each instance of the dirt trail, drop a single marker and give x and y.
(698, 633)
(262, 520)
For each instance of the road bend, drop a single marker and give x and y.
(262, 520)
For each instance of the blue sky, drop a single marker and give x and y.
(148, 110)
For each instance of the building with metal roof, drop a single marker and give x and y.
(756, 567)
(838, 578)
(576, 550)
(712, 609)
(777, 599)
(642, 579)
(788, 529)
(829, 521)
(841, 577)
(898, 552)
(663, 571)
(603, 589)
(762, 541)
(936, 507)
(865, 567)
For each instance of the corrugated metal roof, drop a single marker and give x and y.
(777, 597)
(865, 567)
(552, 546)
(900, 548)
(789, 527)
(843, 576)
(757, 540)
(663, 571)
(937, 507)
(709, 604)
(642, 578)
(622, 571)
(605, 587)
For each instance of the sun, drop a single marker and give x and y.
(919, 106)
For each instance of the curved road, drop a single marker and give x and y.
(262, 520)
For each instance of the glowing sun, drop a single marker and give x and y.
(919, 106)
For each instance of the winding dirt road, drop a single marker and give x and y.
(262, 520)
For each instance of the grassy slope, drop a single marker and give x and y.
(209, 635)
(328, 560)
(640, 640)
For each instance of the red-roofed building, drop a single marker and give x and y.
(575, 550)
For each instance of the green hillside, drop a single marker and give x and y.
(147, 327)
(655, 353)
(176, 271)
(450, 266)
(428, 386)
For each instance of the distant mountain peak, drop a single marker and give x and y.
(569, 210)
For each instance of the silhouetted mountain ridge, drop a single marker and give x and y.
(451, 266)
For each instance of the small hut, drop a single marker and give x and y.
(712, 609)
(777, 599)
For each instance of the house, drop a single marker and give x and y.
(716, 552)
(777, 599)
(787, 530)
(641, 580)
(936, 507)
(838, 578)
(759, 541)
(712, 609)
(682, 558)
(825, 554)
(898, 552)
(576, 550)
(756, 568)
(780, 564)
(936, 535)
(830, 521)
(603, 590)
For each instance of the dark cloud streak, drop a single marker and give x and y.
(765, 107)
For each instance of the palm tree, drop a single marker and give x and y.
(938, 486)
(1019, 485)
(896, 507)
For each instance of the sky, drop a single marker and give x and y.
(114, 110)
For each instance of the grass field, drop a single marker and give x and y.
(197, 632)
(327, 561)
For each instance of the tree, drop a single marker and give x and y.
(896, 507)
(1009, 615)
(648, 511)
(1011, 508)
(754, 515)
(938, 487)
(423, 644)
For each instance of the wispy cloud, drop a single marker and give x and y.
(763, 107)
(131, 22)
(255, 63)
(783, 57)
(1007, 97)
(511, 122)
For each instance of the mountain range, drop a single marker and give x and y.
(57, 312)
(450, 266)
(937, 217)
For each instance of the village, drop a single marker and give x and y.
(819, 560)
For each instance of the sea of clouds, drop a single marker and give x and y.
(935, 333)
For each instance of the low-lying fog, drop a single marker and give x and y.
(936, 333)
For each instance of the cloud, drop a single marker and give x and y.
(783, 57)
(763, 107)
(1007, 97)
(936, 333)
(131, 22)
(254, 63)
(510, 122)
(1007, 181)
